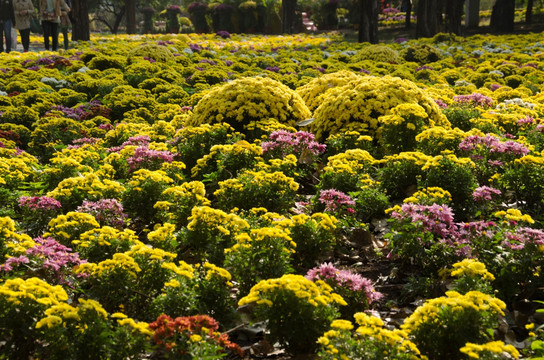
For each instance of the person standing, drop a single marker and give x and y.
(7, 21)
(51, 11)
(65, 22)
(23, 10)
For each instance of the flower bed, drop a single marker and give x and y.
(153, 200)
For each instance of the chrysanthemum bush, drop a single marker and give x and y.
(520, 177)
(424, 236)
(225, 161)
(177, 202)
(347, 171)
(86, 330)
(470, 275)
(490, 350)
(443, 325)
(455, 175)
(72, 191)
(102, 243)
(199, 289)
(69, 227)
(273, 191)
(398, 130)
(23, 302)
(260, 254)
(313, 92)
(370, 340)
(315, 237)
(301, 144)
(491, 154)
(434, 140)
(193, 142)
(349, 140)
(399, 174)
(45, 258)
(357, 105)
(209, 232)
(37, 211)
(297, 310)
(144, 189)
(246, 100)
(430, 196)
(357, 291)
(191, 337)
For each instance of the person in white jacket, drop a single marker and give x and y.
(23, 10)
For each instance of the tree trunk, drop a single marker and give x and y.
(118, 19)
(502, 16)
(130, 8)
(472, 14)
(368, 21)
(80, 14)
(408, 21)
(429, 18)
(454, 14)
(288, 16)
(529, 12)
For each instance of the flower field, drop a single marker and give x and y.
(206, 197)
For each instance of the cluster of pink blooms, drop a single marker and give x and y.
(436, 219)
(108, 212)
(494, 87)
(39, 203)
(517, 240)
(441, 104)
(485, 193)
(83, 112)
(475, 99)
(282, 142)
(77, 143)
(335, 200)
(49, 255)
(140, 140)
(14, 261)
(144, 156)
(390, 10)
(345, 279)
(493, 144)
(528, 120)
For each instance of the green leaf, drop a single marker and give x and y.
(537, 345)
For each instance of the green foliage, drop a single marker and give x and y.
(51, 134)
(443, 325)
(124, 98)
(139, 71)
(103, 62)
(193, 143)
(455, 177)
(401, 174)
(152, 51)
(421, 53)
(244, 101)
(382, 53)
(297, 310)
(258, 255)
(20, 115)
(370, 203)
(273, 191)
(460, 116)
